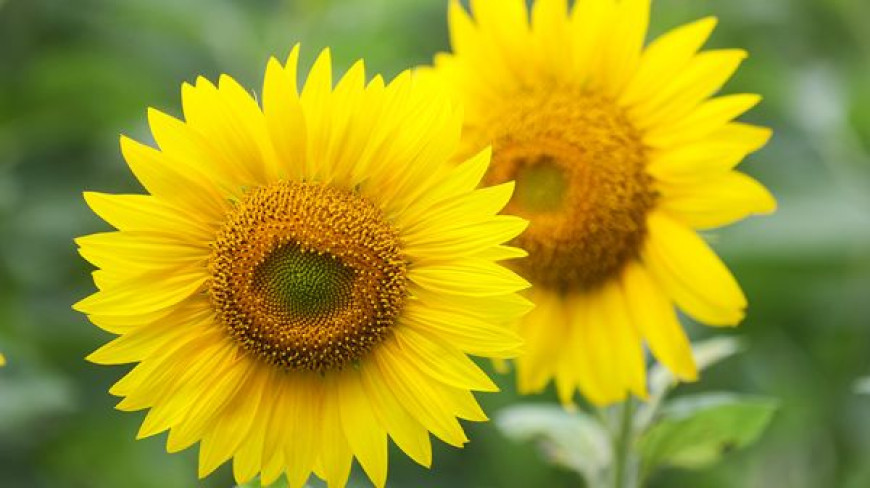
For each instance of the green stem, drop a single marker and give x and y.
(622, 445)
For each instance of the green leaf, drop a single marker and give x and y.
(696, 431)
(573, 440)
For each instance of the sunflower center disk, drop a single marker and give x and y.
(579, 169)
(307, 276)
(303, 283)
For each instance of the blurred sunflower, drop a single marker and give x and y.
(305, 279)
(619, 154)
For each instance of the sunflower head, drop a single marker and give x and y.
(305, 278)
(620, 151)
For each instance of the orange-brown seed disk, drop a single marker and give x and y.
(307, 276)
(579, 167)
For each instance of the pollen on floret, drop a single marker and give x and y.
(579, 167)
(306, 276)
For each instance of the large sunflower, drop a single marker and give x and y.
(305, 279)
(620, 154)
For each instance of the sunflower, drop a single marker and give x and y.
(305, 279)
(620, 154)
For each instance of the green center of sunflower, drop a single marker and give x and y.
(579, 167)
(540, 185)
(305, 283)
(307, 276)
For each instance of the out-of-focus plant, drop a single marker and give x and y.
(622, 445)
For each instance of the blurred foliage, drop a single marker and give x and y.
(574, 440)
(75, 74)
(696, 431)
(691, 432)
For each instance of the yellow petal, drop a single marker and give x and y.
(280, 429)
(407, 157)
(567, 374)
(714, 155)
(551, 33)
(654, 314)
(221, 442)
(177, 382)
(749, 136)
(148, 214)
(116, 269)
(717, 201)
(461, 402)
(417, 396)
(145, 295)
(691, 272)
(501, 253)
(252, 140)
(285, 120)
(463, 32)
(669, 54)
(273, 467)
(371, 135)
(407, 432)
(408, 167)
(547, 14)
(465, 332)
(442, 362)
(292, 68)
(702, 77)
(187, 147)
(706, 119)
(316, 104)
(248, 460)
(335, 454)
(601, 347)
(305, 394)
(593, 349)
(495, 308)
(364, 432)
(140, 248)
(627, 357)
(206, 405)
(500, 38)
(232, 123)
(544, 330)
(462, 240)
(468, 277)
(104, 279)
(143, 342)
(461, 180)
(625, 39)
(590, 19)
(350, 134)
(122, 324)
(173, 182)
(506, 20)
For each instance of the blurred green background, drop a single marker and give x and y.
(75, 74)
